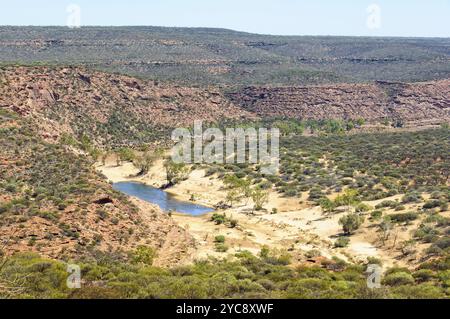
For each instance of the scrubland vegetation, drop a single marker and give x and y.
(376, 165)
(38, 175)
(224, 57)
(342, 172)
(249, 276)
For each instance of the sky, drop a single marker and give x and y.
(416, 18)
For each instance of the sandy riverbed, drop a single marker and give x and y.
(297, 227)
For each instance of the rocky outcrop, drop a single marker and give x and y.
(418, 102)
(79, 101)
(71, 99)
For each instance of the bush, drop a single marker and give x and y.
(327, 205)
(264, 252)
(219, 239)
(3, 209)
(443, 243)
(342, 242)
(219, 219)
(211, 171)
(233, 223)
(259, 197)
(144, 255)
(423, 275)
(403, 218)
(291, 192)
(374, 261)
(376, 214)
(432, 204)
(423, 291)
(283, 259)
(398, 279)
(351, 223)
(387, 204)
(313, 253)
(221, 248)
(413, 197)
(360, 208)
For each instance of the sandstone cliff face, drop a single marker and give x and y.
(76, 100)
(416, 103)
(116, 109)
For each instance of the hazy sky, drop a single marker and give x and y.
(285, 17)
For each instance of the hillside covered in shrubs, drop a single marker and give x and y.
(54, 203)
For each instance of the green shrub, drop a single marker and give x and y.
(432, 204)
(144, 255)
(351, 223)
(374, 261)
(376, 214)
(233, 223)
(387, 204)
(403, 218)
(413, 197)
(219, 239)
(443, 243)
(342, 242)
(360, 208)
(424, 275)
(221, 248)
(399, 279)
(218, 218)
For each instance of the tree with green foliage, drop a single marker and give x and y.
(238, 188)
(233, 196)
(327, 205)
(260, 198)
(145, 161)
(348, 199)
(350, 223)
(144, 255)
(125, 154)
(176, 172)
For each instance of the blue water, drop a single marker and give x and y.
(161, 198)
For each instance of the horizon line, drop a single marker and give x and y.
(223, 29)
